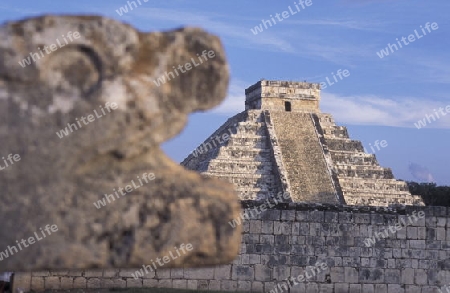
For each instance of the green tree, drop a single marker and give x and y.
(431, 194)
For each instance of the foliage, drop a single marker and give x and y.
(431, 194)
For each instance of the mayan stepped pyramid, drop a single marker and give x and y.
(283, 143)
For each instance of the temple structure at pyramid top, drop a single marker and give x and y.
(283, 96)
(283, 143)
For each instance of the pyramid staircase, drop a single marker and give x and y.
(245, 160)
(362, 180)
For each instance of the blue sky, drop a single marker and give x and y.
(380, 100)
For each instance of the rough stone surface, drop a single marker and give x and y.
(303, 156)
(58, 180)
(283, 143)
(324, 233)
(22, 282)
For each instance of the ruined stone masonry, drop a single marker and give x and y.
(291, 238)
(282, 142)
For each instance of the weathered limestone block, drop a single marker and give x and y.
(94, 77)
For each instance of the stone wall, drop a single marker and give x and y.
(272, 95)
(290, 238)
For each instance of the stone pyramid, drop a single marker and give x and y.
(283, 143)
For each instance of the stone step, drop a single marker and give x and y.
(353, 158)
(371, 193)
(254, 116)
(244, 176)
(376, 192)
(246, 148)
(248, 189)
(326, 120)
(383, 173)
(194, 162)
(244, 135)
(234, 152)
(241, 161)
(381, 181)
(240, 129)
(344, 144)
(249, 183)
(359, 201)
(368, 168)
(206, 149)
(380, 199)
(379, 184)
(240, 167)
(253, 181)
(335, 132)
(250, 195)
(248, 186)
(251, 128)
(243, 156)
(256, 142)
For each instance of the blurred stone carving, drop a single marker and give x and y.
(81, 106)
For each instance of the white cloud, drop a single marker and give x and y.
(365, 25)
(235, 100)
(373, 110)
(420, 173)
(244, 37)
(356, 110)
(282, 38)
